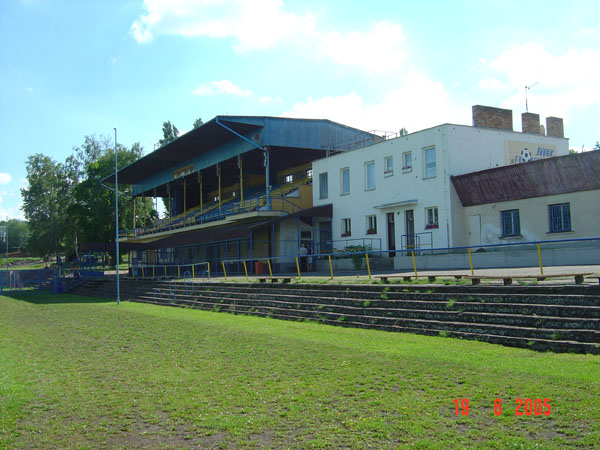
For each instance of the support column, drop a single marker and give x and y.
(219, 178)
(170, 208)
(267, 180)
(241, 179)
(184, 200)
(133, 201)
(200, 183)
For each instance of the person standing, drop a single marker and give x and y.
(302, 252)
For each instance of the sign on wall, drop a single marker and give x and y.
(519, 152)
(178, 173)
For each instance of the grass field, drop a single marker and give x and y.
(83, 373)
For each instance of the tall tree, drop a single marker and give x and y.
(45, 201)
(198, 122)
(170, 133)
(18, 233)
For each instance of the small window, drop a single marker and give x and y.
(430, 166)
(406, 161)
(345, 179)
(560, 217)
(289, 179)
(346, 227)
(216, 198)
(323, 186)
(431, 218)
(233, 194)
(309, 174)
(388, 166)
(372, 224)
(370, 176)
(511, 225)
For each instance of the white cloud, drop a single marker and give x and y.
(5, 178)
(559, 82)
(417, 104)
(255, 24)
(378, 50)
(492, 84)
(222, 87)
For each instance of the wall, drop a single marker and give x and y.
(533, 216)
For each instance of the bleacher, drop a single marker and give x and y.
(254, 199)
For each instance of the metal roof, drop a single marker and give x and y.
(550, 176)
(297, 134)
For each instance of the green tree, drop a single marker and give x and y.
(403, 131)
(198, 122)
(45, 201)
(170, 133)
(597, 146)
(18, 233)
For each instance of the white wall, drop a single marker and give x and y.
(459, 149)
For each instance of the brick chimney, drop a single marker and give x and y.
(489, 117)
(530, 122)
(554, 127)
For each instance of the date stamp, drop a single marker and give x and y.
(523, 407)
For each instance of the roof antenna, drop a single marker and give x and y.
(527, 88)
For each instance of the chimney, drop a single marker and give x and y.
(554, 127)
(489, 117)
(530, 122)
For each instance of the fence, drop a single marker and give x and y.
(367, 262)
(33, 279)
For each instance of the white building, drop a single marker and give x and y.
(398, 192)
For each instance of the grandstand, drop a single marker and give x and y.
(235, 187)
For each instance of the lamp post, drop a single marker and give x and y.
(117, 222)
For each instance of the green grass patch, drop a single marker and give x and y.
(83, 373)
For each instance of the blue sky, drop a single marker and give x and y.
(71, 68)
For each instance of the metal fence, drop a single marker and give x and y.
(33, 279)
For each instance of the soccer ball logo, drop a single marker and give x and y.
(525, 155)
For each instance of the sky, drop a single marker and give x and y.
(72, 68)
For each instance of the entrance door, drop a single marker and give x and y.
(391, 234)
(409, 216)
(475, 230)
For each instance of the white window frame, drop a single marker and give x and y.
(323, 192)
(371, 224)
(429, 168)
(512, 218)
(346, 227)
(288, 179)
(407, 165)
(432, 218)
(367, 186)
(388, 169)
(342, 172)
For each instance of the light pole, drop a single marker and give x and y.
(6, 239)
(117, 221)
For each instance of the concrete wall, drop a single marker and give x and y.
(534, 221)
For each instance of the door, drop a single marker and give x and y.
(409, 216)
(475, 230)
(391, 234)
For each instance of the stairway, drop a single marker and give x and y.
(563, 319)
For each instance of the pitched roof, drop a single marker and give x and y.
(550, 176)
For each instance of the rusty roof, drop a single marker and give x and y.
(550, 176)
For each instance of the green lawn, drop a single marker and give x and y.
(77, 373)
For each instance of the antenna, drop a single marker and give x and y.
(527, 88)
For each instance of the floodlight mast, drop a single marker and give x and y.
(117, 222)
(6, 239)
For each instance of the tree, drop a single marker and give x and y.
(403, 131)
(18, 232)
(45, 202)
(170, 133)
(198, 122)
(597, 146)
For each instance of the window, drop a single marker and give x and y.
(216, 198)
(346, 227)
(345, 179)
(431, 218)
(309, 174)
(560, 217)
(429, 157)
(388, 166)
(371, 224)
(369, 176)
(323, 186)
(289, 179)
(407, 161)
(510, 223)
